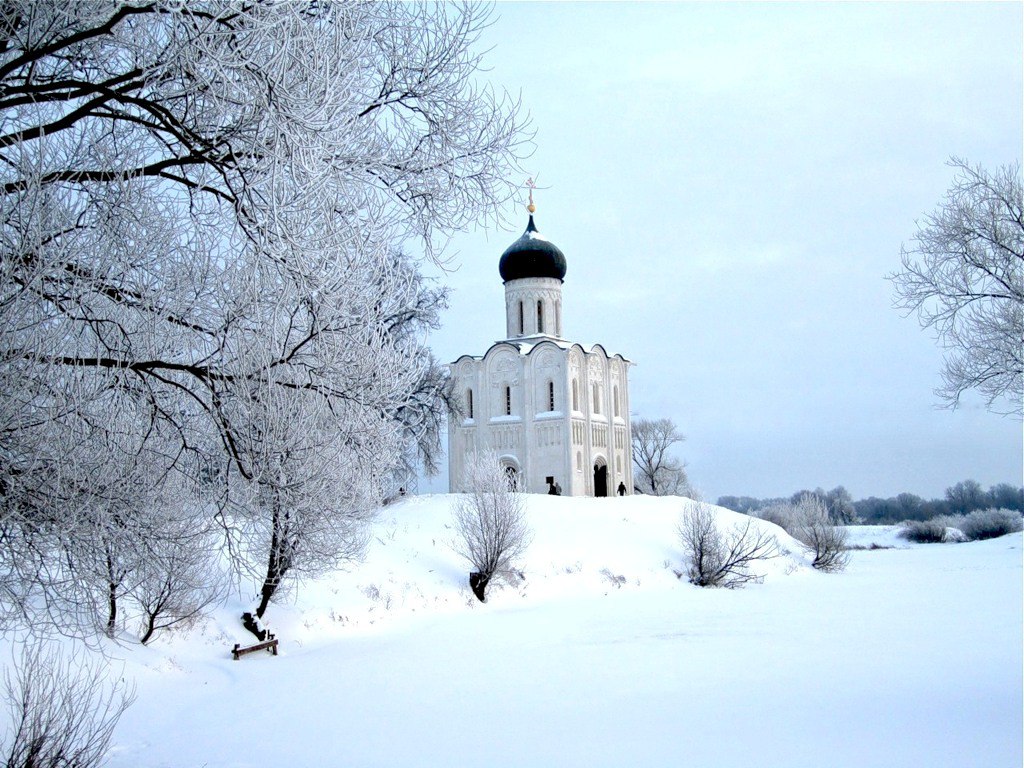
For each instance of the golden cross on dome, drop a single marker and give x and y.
(531, 186)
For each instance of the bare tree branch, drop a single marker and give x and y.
(964, 277)
(722, 559)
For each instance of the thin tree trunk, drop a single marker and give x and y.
(111, 597)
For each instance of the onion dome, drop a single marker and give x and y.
(532, 255)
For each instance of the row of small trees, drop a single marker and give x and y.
(837, 502)
(960, 498)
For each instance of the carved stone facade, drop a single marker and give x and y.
(548, 407)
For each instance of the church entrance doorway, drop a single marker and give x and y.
(600, 478)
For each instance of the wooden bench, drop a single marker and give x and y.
(270, 644)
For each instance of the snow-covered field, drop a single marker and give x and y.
(601, 656)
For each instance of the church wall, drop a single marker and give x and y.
(620, 446)
(579, 441)
(552, 412)
(512, 414)
(547, 431)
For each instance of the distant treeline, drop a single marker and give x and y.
(960, 499)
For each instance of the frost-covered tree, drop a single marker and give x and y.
(839, 504)
(814, 526)
(964, 277)
(201, 213)
(658, 472)
(491, 530)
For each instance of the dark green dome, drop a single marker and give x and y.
(532, 255)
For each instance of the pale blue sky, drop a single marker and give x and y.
(730, 183)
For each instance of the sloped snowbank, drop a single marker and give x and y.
(581, 547)
(910, 657)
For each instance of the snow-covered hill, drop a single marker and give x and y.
(600, 656)
(581, 547)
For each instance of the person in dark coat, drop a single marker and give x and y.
(622, 489)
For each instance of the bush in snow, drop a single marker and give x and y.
(717, 558)
(977, 525)
(63, 712)
(813, 528)
(781, 514)
(490, 521)
(923, 531)
(955, 536)
(989, 523)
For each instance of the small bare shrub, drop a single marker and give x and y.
(615, 579)
(717, 558)
(490, 522)
(990, 523)
(63, 712)
(825, 541)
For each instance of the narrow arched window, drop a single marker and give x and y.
(469, 402)
(551, 395)
(575, 396)
(597, 399)
(615, 399)
(558, 318)
(508, 401)
(522, 321)
(540, 316)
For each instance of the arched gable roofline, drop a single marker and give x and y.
(545, 343)
(494, 348)
(464, 357)
(584, 351)
(577, 346)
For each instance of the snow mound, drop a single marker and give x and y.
(581, 547)
(954, 535)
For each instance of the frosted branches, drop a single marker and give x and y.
(964, 276)
(201, 281)
(490, 521)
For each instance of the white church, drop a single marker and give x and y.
(556, 413)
